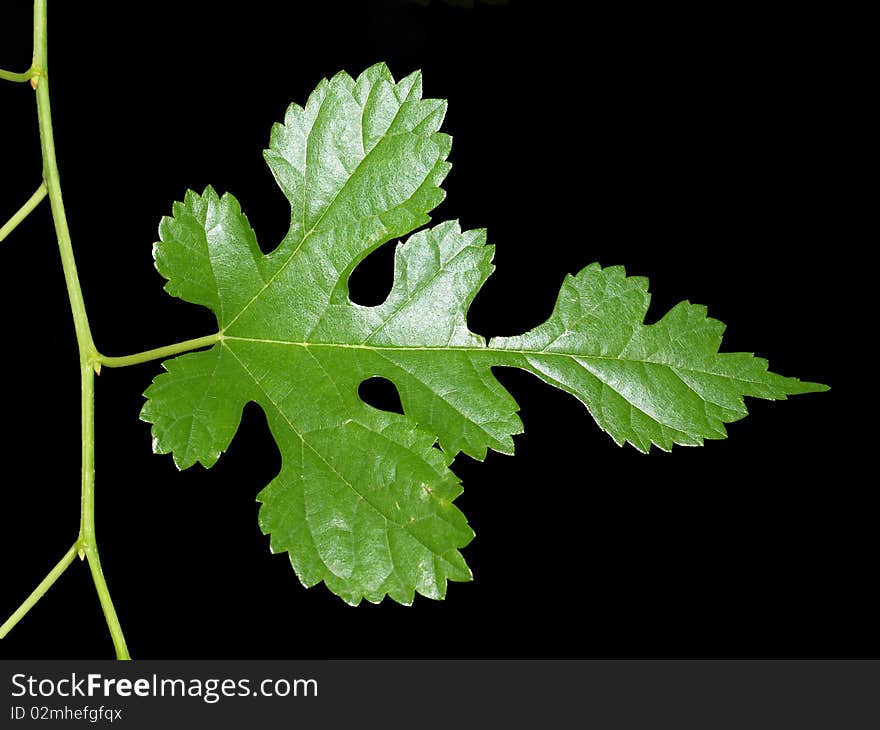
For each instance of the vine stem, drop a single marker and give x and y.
(87, 542)
(90, 360)
(23, 212)
(86, 545)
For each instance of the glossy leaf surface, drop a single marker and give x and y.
(364, 498)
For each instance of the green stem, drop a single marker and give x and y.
(23, 212)
(87, 351)
(87, 542)
(53, 184)
(39, 591)
(107, 604)
(22, 77)
(158, 352)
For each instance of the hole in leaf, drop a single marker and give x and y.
(370, 282)
(380, 393)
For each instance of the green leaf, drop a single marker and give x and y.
(661, 384)
(364, 498)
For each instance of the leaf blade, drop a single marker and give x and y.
(364, 500)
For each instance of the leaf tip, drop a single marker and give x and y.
(807, 386)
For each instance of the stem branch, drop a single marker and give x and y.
(39, 591)
(23, 212)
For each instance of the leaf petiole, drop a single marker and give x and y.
(24, 211)
(156, 353)
(40, 590)
(23, 77)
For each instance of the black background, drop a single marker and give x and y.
(706, 150)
